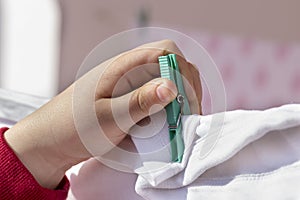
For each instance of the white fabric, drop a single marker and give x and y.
(256, 156)
(15, 106)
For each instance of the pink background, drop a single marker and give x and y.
(257, 74)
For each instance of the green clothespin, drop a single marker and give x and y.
(169, 69)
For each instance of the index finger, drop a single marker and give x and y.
(120, 65)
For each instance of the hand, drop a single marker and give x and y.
(48, 141)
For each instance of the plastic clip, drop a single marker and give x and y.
(169, 69)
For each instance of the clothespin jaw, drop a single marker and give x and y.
(169, 69)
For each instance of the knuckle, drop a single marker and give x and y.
(142, 102)
(169, 46)
(172, 45)
(169, 43)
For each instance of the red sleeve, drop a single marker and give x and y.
(16, 182)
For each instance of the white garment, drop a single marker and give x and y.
(256, 156)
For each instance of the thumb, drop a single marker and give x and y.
(144, 101)
(151, 98)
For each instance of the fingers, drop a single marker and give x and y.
(192, 84)
(128, 109)
(136, 78)
(131, 60)
(193, 88)
(197, 87)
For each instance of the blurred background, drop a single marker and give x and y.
(255, 44)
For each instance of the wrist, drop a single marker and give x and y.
(41, 166)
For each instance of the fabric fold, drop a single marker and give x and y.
(224, 147)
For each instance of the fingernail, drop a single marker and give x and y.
(166, 91)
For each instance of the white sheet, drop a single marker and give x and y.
(257, 156)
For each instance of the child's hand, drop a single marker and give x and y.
(121, 91)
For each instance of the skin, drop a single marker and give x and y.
(47, 141)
